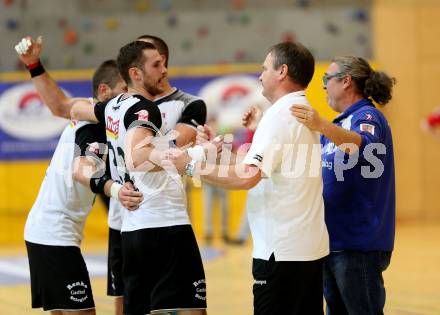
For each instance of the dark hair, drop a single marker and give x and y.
(106, 73)
(131, 55)
(299, 60)
(369, 83)
(160, 44)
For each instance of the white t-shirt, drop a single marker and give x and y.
(62, 206)
(286, 208)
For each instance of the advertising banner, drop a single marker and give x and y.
(29, 131)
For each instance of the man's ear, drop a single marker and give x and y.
(164, 58)
(347, 81)
(283, 70)
(135, 74)
(103, 91)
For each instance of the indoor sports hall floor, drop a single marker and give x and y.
(412, 281)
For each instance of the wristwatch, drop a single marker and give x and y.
(189, 168)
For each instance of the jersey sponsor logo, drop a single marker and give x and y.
(142, 115)
(368, 116)
(368, 128)
(327, 164)
(112, 127)
(260, 282)
(78, 291)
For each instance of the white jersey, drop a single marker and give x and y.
(286, 209)
(164, 197)
(62, 206)
(118, 115)
(115, 132)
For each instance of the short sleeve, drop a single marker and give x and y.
(267, 144)
(143, 114)
(91, 138)
(196, 111)
(100, 111)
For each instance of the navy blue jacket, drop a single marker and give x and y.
(359, 190)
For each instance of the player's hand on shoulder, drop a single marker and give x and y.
(307, 116)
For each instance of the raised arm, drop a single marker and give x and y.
(29, 52)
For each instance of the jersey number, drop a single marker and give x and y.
(117, 157)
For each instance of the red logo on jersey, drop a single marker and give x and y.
(142, 115)
(112, 127)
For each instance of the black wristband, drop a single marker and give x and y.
(97, 184)
(36, 69)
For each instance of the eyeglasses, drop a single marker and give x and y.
(326, 77)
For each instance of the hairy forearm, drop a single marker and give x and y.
(339, 135)
(52, 95)
(225, 176)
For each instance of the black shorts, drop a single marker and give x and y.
(115, 285)
(287, 287)
(59, 278)
(162, 270)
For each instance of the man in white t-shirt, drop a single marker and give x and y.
(282, 169)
